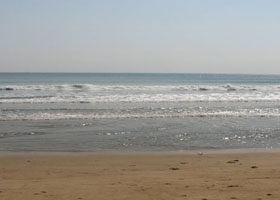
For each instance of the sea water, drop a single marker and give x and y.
(107, 112)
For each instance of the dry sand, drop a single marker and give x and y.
(245, 176)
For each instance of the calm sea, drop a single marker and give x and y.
(96, 112)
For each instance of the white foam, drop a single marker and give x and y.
(199, 87)
(137, 93)
(173, 114)
(213, 97)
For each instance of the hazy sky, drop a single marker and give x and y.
(181, 36)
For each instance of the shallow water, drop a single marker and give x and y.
(140, 135)
(138, 112)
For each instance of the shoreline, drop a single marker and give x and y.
(187, 152)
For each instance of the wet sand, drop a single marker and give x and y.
(245, 176)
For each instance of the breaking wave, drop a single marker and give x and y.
(92, 87)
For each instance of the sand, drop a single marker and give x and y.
(245, 176)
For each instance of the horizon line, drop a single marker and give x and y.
(220, 73)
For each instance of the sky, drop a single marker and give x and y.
(166, 36)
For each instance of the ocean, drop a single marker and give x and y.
(126, 112)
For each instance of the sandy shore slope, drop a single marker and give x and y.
(245, 176)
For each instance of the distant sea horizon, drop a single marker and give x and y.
(73, 72)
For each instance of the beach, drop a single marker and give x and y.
(195, 176)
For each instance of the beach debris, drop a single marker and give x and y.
(268, 194)
(174, 168)
(254, 167)
(233, 161)
(200, 153)
(233, 186)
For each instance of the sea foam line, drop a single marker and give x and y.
(63, 116)
(93, 87)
